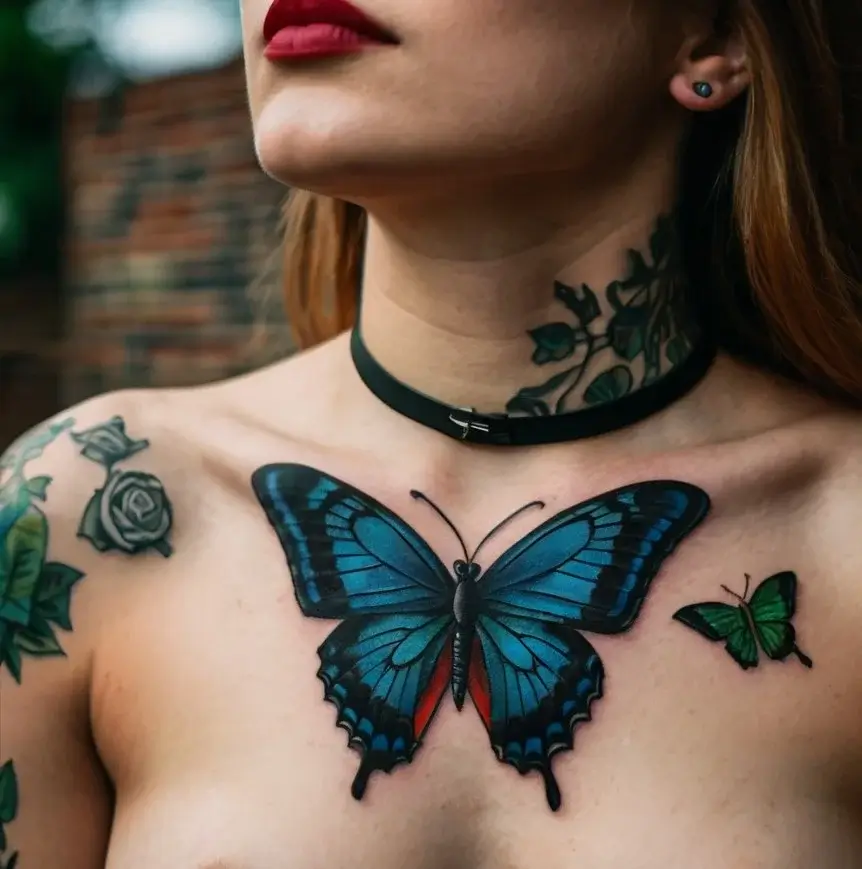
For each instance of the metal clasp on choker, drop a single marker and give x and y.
(487, 428)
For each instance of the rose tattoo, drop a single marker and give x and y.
(131, 512)
(108, 443)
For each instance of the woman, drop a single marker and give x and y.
(532, 504)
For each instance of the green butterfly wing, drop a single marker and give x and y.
(772, 606)
(774, 600)
(720, 621)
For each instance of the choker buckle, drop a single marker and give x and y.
(481, 427)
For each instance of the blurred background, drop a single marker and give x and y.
(138, 236)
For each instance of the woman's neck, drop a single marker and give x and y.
(528, 319)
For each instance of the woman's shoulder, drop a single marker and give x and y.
(824, 506)
(86, 495)
(840, 437)
(94, 473)
(166, 433)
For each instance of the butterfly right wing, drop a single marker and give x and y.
(772, 607)
(531, 683)
(534, 675)
(721, 621)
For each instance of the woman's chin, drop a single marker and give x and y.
(319, 153)
(342, 166)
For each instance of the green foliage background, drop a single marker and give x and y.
(33, 79)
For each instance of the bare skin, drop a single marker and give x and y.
(207, 716)
(184, 726)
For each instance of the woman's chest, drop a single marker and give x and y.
(209, 711)
(292, 809)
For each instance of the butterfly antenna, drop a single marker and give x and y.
(506, 521)
(420, 497)
(740, 598)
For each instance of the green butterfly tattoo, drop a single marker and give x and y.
(764, 621)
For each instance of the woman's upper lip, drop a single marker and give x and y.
(300, 13)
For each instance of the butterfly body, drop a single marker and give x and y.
(509, 636)
(466, 603)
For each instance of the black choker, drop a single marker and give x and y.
(493, 428)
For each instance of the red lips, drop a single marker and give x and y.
(305, 28)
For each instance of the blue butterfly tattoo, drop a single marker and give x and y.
(510, 637)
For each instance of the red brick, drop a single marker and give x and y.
(129, 245)
(173, 317)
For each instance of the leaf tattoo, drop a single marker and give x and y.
(8, 811)
(31, 445)
(35, 594)
(650, 330)
(764, 621)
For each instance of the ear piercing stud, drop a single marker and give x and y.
(703, 89)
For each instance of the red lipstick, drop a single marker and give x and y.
(299, 29)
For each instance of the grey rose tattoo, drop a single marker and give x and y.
(107, 443)
(131, 513)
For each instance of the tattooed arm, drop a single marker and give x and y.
(76, 513)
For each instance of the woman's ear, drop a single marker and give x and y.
(711, 72)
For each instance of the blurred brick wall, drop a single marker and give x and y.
(30, 329)
(171, 220)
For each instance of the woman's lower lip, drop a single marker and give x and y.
(315, 40)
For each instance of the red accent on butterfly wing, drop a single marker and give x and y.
(477, 683)
(430, 698)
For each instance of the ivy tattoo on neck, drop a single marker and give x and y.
(614, 343)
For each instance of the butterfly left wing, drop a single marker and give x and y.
(721, 621)
(386, 666)
(386, 676)
(348, 554)
(587, 568)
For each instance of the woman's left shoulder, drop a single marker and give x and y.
(833, 441)
(837, 436)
